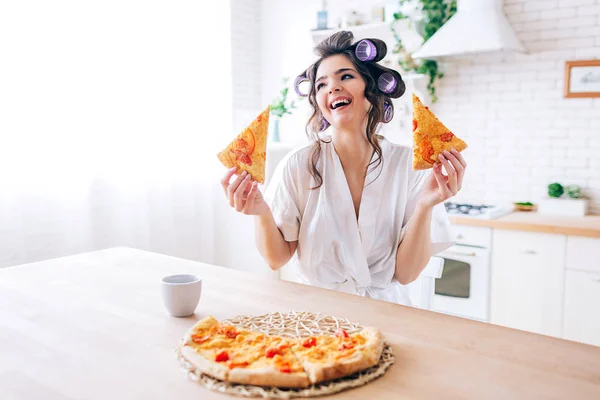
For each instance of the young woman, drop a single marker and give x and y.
(349, 206)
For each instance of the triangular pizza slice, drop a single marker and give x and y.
(247, 151)
(430, 136)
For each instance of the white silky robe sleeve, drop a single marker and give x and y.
(442, 235)
(282, 197)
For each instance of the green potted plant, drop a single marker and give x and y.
(428, 16)
(280, 107)
(560, 204)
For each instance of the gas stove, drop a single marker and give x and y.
(480, 211)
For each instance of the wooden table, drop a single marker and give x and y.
(92, 326)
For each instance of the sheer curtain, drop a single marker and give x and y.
(111, 115)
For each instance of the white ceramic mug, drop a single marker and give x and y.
(181, 294)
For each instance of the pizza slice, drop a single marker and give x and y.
(430, 136)
(274, 365)
(247, 151)
(216, 349)
(328, 357)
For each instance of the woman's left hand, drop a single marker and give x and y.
(440, 187)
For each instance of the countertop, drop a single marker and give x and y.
(93, 326)
(588, 226)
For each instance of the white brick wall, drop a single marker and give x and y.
(536, 136)
(246, 59)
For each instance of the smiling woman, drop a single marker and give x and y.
(349, 210)
(110, 122)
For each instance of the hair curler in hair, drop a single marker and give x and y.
(370, 50)
(388, 112)
(365, 50)
(324, 124)
(387, 82)
(297, 82)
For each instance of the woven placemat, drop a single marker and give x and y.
(292, 324)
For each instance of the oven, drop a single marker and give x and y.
(464, 287)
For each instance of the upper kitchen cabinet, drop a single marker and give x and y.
(527, 281)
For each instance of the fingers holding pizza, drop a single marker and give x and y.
(243, 194)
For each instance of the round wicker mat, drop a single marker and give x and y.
(292, 324)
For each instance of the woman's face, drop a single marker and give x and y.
(340, 92)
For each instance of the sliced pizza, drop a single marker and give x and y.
(241, 356)
(430, 136)
(248, 151)
(217, 349)
(328, 357)
(275, 365)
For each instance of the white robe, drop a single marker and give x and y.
(335, 251)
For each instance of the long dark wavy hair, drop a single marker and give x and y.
(341, 43)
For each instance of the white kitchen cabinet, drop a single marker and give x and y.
(528, 281)
(582, 304)
(583, 253)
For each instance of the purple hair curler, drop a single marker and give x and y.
(324, 125)
(299, 80)
(365, 50)
(388, 112)
(386, 82)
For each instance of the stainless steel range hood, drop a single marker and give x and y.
(478, 26)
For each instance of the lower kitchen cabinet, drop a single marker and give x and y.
(527, 284)
(581, 311)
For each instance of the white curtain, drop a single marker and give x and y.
(111, 115)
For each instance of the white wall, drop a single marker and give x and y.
(522, 133)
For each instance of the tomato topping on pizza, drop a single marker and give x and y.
(272, 352)
(447, 137)
(426, 150)
(228, 331)
(346, 346)
(284, 367)
(222, 356)
(200, 338)
(238, 365)
(310, 342)
(414, 125)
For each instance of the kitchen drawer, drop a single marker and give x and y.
(582, 301)
(473, 235)
(583, 253)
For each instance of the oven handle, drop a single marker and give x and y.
(462, 251)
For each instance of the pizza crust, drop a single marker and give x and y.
(318, 372)
(203, 364)
(269, 377)
(373, 347)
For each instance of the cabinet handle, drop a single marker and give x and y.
(528, 251)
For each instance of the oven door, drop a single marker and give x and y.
(463, 290)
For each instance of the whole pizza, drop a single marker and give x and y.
(236, 355)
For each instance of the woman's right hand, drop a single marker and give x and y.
(243, 194)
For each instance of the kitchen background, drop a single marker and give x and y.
(110, 136)
(522, 133)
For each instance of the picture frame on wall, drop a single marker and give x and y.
(582, 79)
